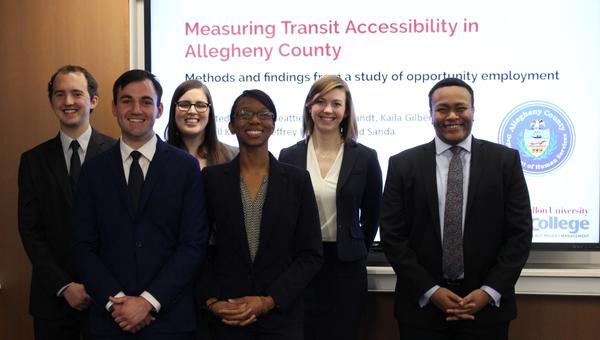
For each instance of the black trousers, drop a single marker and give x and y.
(72, 327)
(147, 336)
(336, 298)
(456, 330)
(256, 332)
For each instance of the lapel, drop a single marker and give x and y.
(271, 211)
(155, 172)
(94, 146)
(234, 210)
(348, 161)
(429, 180)
(478, 159)
(58, 167)
(115, 167)
(299, 156)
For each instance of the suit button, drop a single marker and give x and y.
(138, 244)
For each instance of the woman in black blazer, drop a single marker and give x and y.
(267, 244)
(346, 178)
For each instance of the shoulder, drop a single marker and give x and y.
(491, 145)
(416, 152)
(229, 151)
(110, 152)
(361, 149)
(97, 135)
(211, 174)
(299, 146)
(291, 169)
(293, 173)
(41, 148)
(179, 161)
(172, 151)
(215, 169)
(482, 145)
(42, 152)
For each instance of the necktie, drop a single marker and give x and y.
(75, 164)
(136, 179)
(452, 246)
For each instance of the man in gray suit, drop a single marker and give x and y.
(48, 175)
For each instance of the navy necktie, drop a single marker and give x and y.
(136, 179)
(75, 164)
(452, 246)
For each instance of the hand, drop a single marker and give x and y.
(451, 304)
(471, 304)
(149, 318)
(131, 313)
(76, 296)
(258, 304)
(232, 314)
(241, 311)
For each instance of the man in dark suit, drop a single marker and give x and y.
(47, 178)
(139, 224)
(455, 283)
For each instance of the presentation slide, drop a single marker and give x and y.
(534, 66)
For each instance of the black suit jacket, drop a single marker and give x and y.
(289, 252)
(358, 195)
(157, 248)
(45, 203)
(497, 229)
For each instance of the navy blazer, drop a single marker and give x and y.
(45, 203)
(289, 252)
(158, 249)
(496, 237)
(358, 196)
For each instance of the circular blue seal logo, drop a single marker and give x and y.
(543, 134)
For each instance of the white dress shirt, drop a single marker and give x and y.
(325, 190)
(83, 140)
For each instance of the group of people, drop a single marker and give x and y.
(194, 238)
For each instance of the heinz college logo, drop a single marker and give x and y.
(542, 133)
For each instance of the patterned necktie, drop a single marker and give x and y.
(136, 179)
(453, 265)
(75, 165)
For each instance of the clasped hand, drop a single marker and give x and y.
(459, 308)
(76, 296)
(131, 313)
(242, 311)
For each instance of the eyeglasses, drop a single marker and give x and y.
(186, 105)
(247, 115)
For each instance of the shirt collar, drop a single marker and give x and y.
(147, 150)
(441, 147)
(83, 140)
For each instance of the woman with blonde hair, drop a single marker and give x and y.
(346, 178)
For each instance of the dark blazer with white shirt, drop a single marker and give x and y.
(358, 195)
(44, 213)
(496, 237)
(157, 249)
